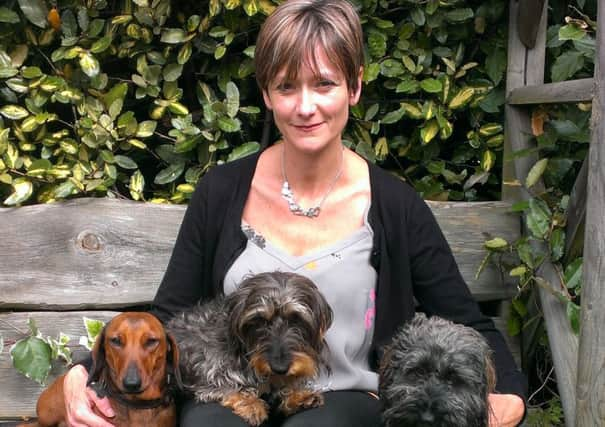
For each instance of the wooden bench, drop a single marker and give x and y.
(93, 257)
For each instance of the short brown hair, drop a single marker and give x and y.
(291, 33)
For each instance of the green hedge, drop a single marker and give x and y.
(138, 98)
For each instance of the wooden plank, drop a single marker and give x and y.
(580, 90)
(526, 67)
(590, 390)
(107, 253)
(85, 253)
(19, 394)
(576, 213)
(530, 12)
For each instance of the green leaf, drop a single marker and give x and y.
(220, 51)
(22, 190)
(459, 15)
(101, 45)
(8, 16)
(188, 144)
(146, 128)
(393, 116)
(428, 131)
(495, 65)
(573, 314)
(431, 85)
(536, 172)
(518, 271)
(243, 150)
(118, 92)
(571, 32)
(573, 274)
(31, 72)
(557, 244)
(31, 357)
(170, 174)
(125, 162)
(14, 112)
(232, 101)
(172, 72)
(566, 65)
(137, 184)
(173, 35)
(418, 17)
(538, 218)
(35, 11)
(93, 328)
(90, 64)
(391, 68)
(228, 124)
(497, 243)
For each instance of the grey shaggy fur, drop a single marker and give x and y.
(271, 314)
(436, 373)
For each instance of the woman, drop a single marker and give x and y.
(311, 206)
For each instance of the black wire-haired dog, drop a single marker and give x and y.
(436, 373)
(264, 339)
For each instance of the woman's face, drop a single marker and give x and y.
(312, 110)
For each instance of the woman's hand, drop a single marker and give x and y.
(506, 410)
(79, 405)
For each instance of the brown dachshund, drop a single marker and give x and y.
(135, 364)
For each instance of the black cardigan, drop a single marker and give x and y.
(410, 254)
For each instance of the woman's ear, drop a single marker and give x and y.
(355, 95)
(267, 100)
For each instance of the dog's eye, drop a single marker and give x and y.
(115, 341)
(151, 342)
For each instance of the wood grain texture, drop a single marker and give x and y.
(590, 401)
(85, 253)
(580, 90)
(105, 253)
(19, 395)
(526, 67)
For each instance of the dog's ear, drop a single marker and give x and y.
(98, 358)
(173, 360)
(325, 314)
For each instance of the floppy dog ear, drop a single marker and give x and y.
(325, 314)
(98, 358)
(173, 360)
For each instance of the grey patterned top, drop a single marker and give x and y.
(343, 273)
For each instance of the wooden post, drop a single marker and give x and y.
(526, 67)
(590, 403)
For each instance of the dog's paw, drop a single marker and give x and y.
(251, 408)
(296, 400)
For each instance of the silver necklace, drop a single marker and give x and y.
(288, 195)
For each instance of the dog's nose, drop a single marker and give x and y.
(427, 417)
(132, 380)
(280, 368)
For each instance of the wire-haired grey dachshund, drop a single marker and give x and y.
(436, 373)
(256, 347)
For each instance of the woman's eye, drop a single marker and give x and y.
(326, 83)
(284, 87)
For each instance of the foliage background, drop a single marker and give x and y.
(138, 98)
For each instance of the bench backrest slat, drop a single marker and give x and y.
(105, 253)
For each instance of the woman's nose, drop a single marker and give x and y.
(306, 102)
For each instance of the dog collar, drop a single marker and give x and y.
(102, 391)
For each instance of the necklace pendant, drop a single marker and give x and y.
(312, 212)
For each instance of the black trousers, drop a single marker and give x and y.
(341, 409)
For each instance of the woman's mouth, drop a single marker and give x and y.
(308, 128)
